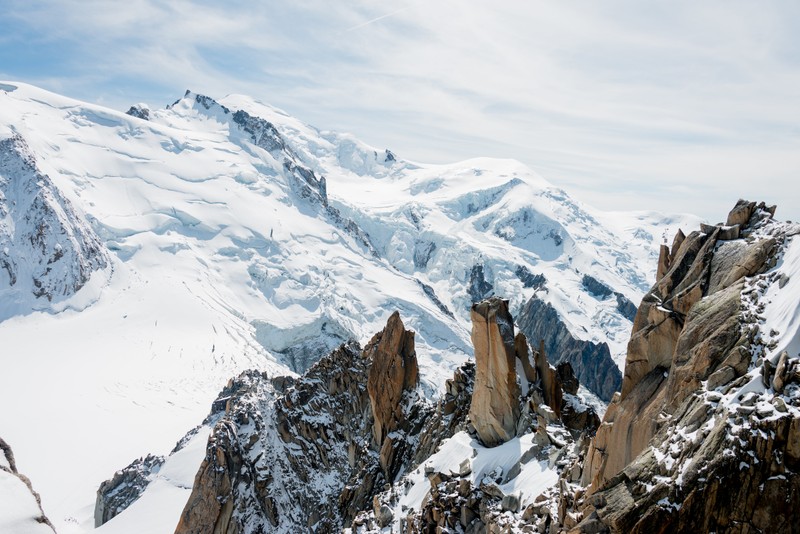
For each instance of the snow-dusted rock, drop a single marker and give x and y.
(47, 250)
(700, 439)
(20, 506)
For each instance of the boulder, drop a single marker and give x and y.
(740, 213)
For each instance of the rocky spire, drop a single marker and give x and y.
(393, 371)
(494, 411)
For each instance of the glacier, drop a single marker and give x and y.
(227, 235)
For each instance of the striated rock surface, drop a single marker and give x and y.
(494, 411)
(591, 362)
(703, 436)
(21, 506)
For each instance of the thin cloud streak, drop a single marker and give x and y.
(376, 19)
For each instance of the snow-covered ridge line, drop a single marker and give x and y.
(222, 264)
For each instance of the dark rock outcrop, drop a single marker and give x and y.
(528, 279)
(272, 457)
(590, 361)
(602, 291)
(479, 288)
(140, 112)
(626, 307)
(124, 488)
(595, 286)
(428, 290)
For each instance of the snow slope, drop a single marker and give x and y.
(235, 242)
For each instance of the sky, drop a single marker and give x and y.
(677, 106)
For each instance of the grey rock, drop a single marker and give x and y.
(124, 488)
(510, 503)
(591, 362)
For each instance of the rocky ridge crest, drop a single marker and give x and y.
(335, 448)
(704, 434)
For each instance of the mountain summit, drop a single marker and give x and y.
(148, 257)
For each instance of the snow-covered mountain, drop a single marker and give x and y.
(145, 258)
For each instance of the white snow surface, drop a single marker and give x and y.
(782, 312)
(218, 264)
(18, 508)
(160, 507)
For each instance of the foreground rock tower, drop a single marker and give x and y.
(705, 434)
(494, 411)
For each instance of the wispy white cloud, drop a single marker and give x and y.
(666, 105)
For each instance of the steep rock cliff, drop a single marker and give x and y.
(704, 434)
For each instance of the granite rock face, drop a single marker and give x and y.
(703, 436)
(495, 400)
(393, 372)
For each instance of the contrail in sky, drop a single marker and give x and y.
(376, 19)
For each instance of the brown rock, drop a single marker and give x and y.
(569, 382)
(393, 370)
(741, 213)
(524, 355)
(210, 505)
(494, 410)
(781, 372)
(677, 242)
(551, 385)
(664, 261)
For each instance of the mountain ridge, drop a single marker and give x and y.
(188, 190)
